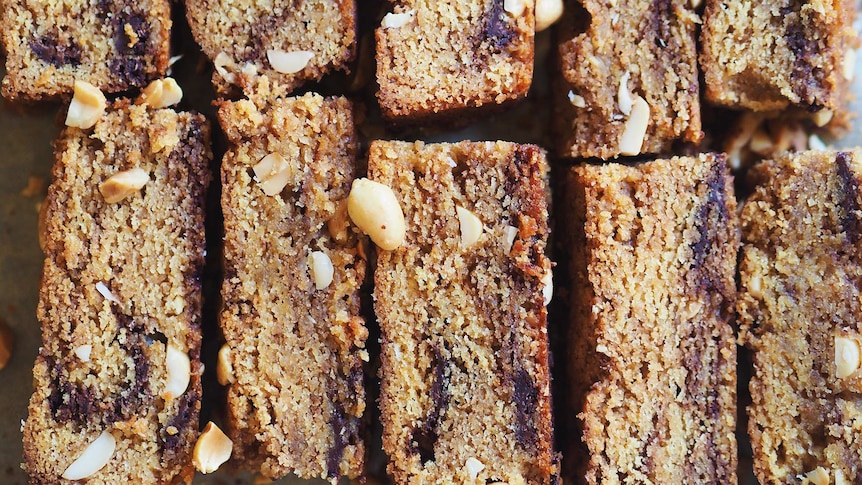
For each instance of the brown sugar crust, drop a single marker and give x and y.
(772, 55)
(800, 270)
(112, 45)
(652, 353)
(245, 30)
(452, 56)
(297, 395)
(464, 358)
(148, 251)
(655, 43)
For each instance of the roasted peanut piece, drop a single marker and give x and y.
(273, 172)
(515, 7)
(179, 370)
(224, 369)
(93, 459)
(822, 117)
(374, 208)
(288, 62)
(395, 20)
(87, 106)
(547, 13)
(212, 449)
(106, 292)
(123, 184)
(636, 127)
(321, 269)
(83, 352)
(161, 93)
(509, 235)
(577, 100)
(337, 224)
(624, 97)
(7, 342)
(224, 65)
(849, 67)
(548, 286)
(846, 357)
(471, 227)
(840, 479)
(474, 467)
(818, 476)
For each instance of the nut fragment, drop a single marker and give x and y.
(321, 269)
(224, 65)
(840, 479)
(847, 357)
(818, 476)
(212, 449)
(224, 368)
(7, 341)
(395, 20)
(509, 235)
(288, 62)
(635, 128)
(83, 352)
(474, 467)
(123, 184)
(822, 117)
(624, 97)
(161, 93)
(547, 13)
(471, 226)
(106, 292)
(849, 67)
(94, 457)
(179, 370)
(374, 208)
(548, 286)
(515, 7)
(273, 172)
(577, 100)
(87, 106)
(761, 143)
(816, 143)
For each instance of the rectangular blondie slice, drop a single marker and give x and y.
(465, 393)
(115, 46)
(295, 340)
(799, 309)
(286, 42)
(445, 57)
(777, 54)
(628, 81)
(117, 380)
(652, 353)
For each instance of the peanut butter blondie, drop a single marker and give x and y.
(652, 353)
(465, 385)
(117, 380)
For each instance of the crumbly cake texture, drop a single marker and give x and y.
(464, 360)
(652, 354)
(236, 36)
(297, 352)
(115, 46)
(799, 269)
(121, 285)
(449, 56)
(777, 54)
(647, 46)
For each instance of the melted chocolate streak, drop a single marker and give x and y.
(851, 221)
(808, 77)
(425, 437)
(82, 404)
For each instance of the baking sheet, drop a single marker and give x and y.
(26, 156)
